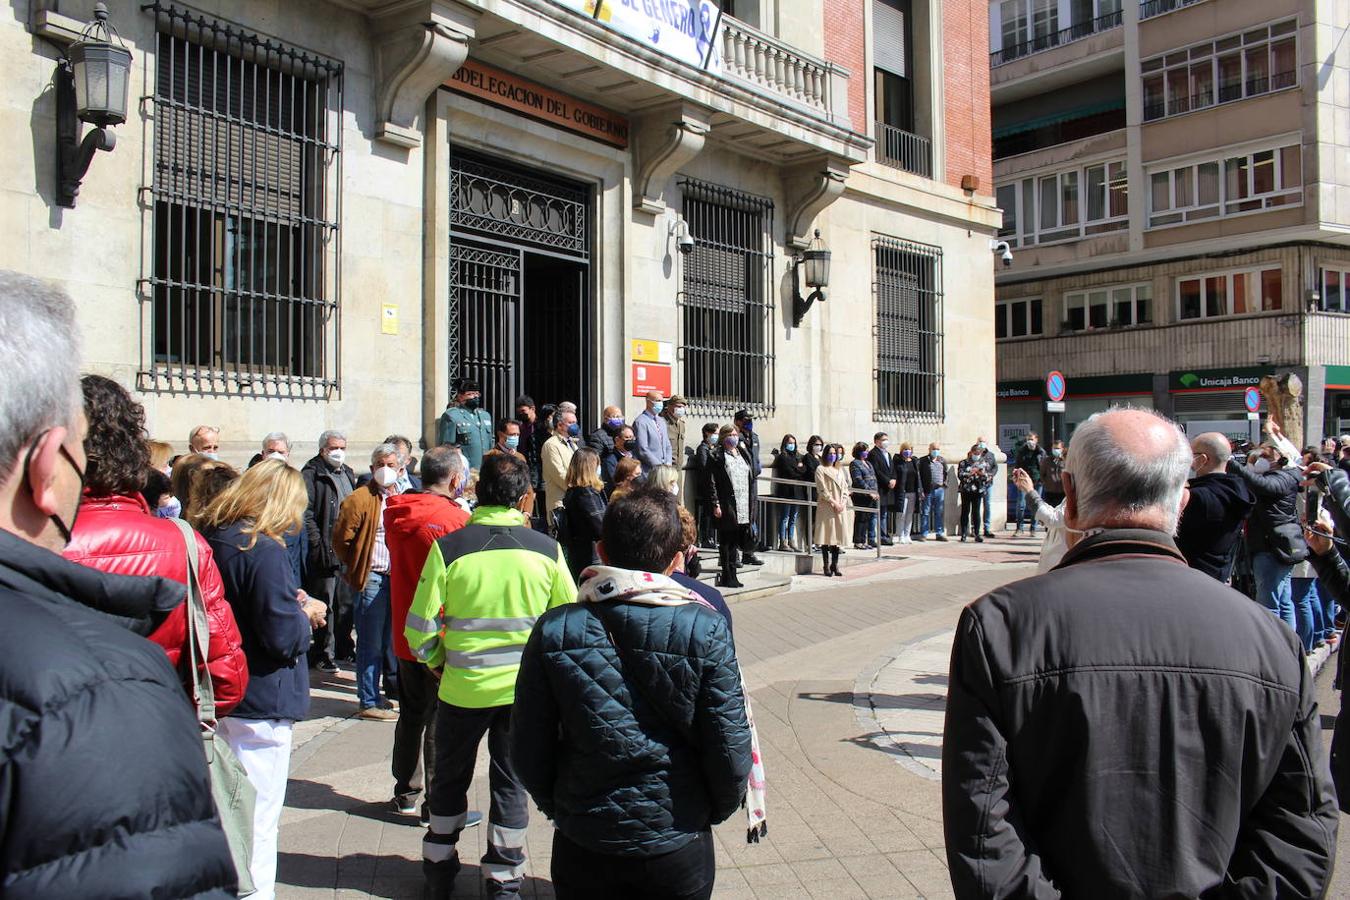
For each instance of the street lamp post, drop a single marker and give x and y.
(92, 86)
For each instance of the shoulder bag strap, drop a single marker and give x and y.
(198, 631)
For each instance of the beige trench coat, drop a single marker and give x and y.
(833, 529)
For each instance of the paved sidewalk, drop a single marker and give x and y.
(844, 820)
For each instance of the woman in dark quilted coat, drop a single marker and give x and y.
(585, 506)
(629, 728)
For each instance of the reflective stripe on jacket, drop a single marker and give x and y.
(482, 588)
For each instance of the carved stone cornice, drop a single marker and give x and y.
(809, 188)
(665, 141)
(418, 46)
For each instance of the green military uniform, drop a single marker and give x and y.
(470, 430)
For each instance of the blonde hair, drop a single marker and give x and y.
(663, 477)
(206, 482)
(269, 499)
(160, 453)
(581, 470)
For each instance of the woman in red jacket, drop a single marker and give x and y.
(115, 532)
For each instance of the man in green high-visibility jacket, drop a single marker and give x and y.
(482, 588)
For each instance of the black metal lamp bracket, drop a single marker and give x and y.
(801, 305)
(73, 155)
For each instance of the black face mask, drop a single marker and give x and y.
(66, 530)
(473, 403)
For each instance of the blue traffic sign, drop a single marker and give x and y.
(1055, 386)
(1252, 399)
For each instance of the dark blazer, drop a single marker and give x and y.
(585, 514)
(260, 584)
(881, 465)
(103, 783)
(907, 477)
(1089, 744)
(1274, 525)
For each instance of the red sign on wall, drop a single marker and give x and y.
(651, 377)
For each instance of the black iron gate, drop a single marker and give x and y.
(519, 283)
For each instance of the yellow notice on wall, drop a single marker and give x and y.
(653, 351)
(388, 318)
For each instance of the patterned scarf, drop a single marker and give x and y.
(600, 584)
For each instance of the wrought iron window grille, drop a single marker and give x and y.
(727, 310)
(494, 200)
(907, 331)
(243, 207)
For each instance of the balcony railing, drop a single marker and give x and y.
(1241, 90)
(767, 63)
(902, 150)
(1074, 32)
(1150, 8)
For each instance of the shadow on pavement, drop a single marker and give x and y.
(886, 743)
(929, 702)
(390, 877)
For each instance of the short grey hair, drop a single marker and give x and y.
(327, 436)
(40, 385)
(192, 435)
(383, 450)
(276, 437)
(1109, 478)
(567, 406)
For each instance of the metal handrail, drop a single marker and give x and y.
(1150, 8)
(1077, 31)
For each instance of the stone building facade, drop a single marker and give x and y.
(321, 212)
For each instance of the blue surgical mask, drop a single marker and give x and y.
(748, 426)
(657, 407)
(983, 446)
(513, 441)
(906, 454)
(573, 430)
(790, 447)
(731, 443)
(171, 510)
(935, 453)
(831, 457)
(1056, 452)
(615, 423)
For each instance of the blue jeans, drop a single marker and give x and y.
(1307, 611)
(1273, 588)
(1328, 612)
(1023, 514)
(988, 502)
(933, 508)
(373, 637)
(787, 521)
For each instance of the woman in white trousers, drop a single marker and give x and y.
(246, 526)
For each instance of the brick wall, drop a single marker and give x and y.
(846, 45)
(965, 42)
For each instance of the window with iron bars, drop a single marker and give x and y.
(727, 302)
(243, 206)
(907, 285)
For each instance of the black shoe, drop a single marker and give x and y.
(942, 537)
(988, 534)
(751, 560)
(326, 665)
(887, 542)
(733, 583)
(978, 539)
(963, 538)
(919, 537)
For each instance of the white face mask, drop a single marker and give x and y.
(337, 456)
(675, 489)
(679, 412)
(212, 455)
(385, 476)
(277, 454)
(1261, 466)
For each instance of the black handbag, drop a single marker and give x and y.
(1287, 543)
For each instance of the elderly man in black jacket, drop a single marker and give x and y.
(1123, 725)
(1218, 505)
(328, 481)
(103, 782)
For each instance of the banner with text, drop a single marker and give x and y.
(684, 29)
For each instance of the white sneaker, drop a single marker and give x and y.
(904, 539)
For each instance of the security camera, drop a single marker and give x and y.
(1004, 252)
(679, 228)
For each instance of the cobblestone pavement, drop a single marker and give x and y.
(852, 811)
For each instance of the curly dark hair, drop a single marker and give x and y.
(116, 442)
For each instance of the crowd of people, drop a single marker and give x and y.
(520, 584)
